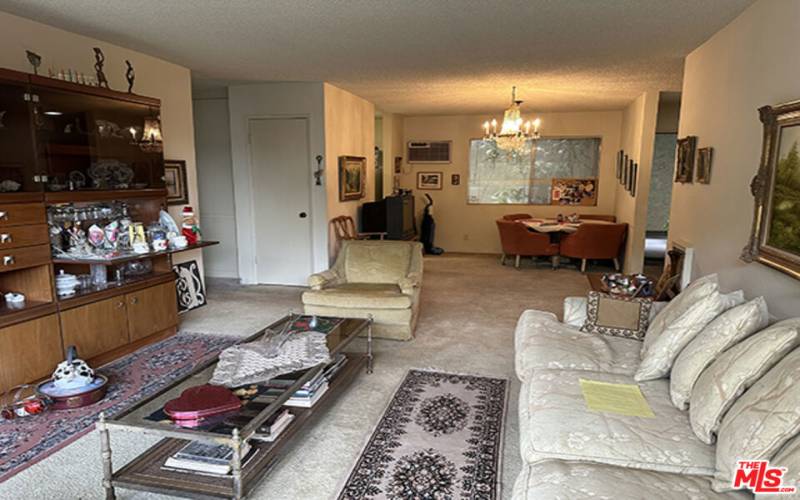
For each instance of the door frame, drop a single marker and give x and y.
(250, 168)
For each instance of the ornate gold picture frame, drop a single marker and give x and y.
(775, 235)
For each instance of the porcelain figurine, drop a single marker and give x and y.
(189, 227)
(72, 373)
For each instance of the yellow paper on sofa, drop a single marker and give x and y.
(623, 399)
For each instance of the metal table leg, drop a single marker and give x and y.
(369, 344)
(105, 449)
(236, 466)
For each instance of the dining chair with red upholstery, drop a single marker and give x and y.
(595, 241)
(516, 216)
(517, 240)
(607, 218)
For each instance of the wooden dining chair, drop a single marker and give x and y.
(344, 228)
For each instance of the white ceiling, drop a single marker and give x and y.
(415, 56)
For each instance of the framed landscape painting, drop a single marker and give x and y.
(352, 177)
(775, 236)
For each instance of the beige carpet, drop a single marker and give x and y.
(470, 305)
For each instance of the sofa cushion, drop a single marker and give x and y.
(555, 423)
(359, 295)
(575, 311)
(676, 325)
(376, 261)
(724, 331)
(787, 457)
(541, 341)
(734, 371)
(761, 421)
(617, 316)
(567, 480)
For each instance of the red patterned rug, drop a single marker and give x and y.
(25, 441)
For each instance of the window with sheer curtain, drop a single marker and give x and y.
(525, 178)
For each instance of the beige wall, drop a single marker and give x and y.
(461, 227)
(154, 77)
(638, 135)
(392, 138)
(349, 131)
(750, 63)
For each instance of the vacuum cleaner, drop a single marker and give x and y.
(429, 229)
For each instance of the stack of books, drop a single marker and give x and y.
(310, 392)
(213, 459)
(274, 426)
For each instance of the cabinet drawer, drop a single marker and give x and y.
(18, 214)
(23, 236)
(20, 258)
(29, 351)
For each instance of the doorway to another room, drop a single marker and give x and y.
(281, 186)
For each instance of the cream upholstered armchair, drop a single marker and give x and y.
(378, 278)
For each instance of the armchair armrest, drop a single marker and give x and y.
(410, 282)
(575, 311)
(323, 280)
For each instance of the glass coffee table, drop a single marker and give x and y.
(146, 472)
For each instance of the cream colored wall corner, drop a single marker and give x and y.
(349, 131)
(154, 77)
(463, 227)
(638, 137)
(748, 64)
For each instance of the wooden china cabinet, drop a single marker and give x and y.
(55, 137)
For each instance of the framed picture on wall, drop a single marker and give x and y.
(704, 157)
(429, 180)
(775, 234)
(352, 177)
(624, 173)
(633, 179)
(620, 159)
(684, 159)
(398, 164)
(175, 182)
(455, 179)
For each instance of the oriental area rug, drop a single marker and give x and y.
(441, 437)
(27, 440)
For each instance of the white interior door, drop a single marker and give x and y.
(279, 153)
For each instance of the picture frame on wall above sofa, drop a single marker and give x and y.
(175, 182)
(704, 158)
(429, 180)
(352, 177)
(775, 233)
(684, 159)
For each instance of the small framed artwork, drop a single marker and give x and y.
(175, 182)
(455, 179)
(429, 180)
(620, 159)
(633, 179)
(189, 286)
(352, 177)
(573, 192)
(398, 164)
(704, 158)
(624, 173)
(684, 159)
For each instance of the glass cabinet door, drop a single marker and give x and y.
(18, 169)
(91, 142)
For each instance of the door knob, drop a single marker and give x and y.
(303, 215)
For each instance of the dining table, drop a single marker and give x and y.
(554, 226)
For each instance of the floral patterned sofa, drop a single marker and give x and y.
(571, 452)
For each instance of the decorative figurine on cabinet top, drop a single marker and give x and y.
(189, 227)
(35, 60)
(100, 59)
(130, 75)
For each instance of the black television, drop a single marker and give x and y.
(393, 215)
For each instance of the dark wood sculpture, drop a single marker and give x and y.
(130, 75)
(35, 60)
(100, 58)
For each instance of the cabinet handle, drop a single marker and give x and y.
(8, 260)
(5, 238)
(4, 215)
(120, 304)
(134, 300)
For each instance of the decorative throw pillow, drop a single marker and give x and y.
(724, 331)
(676, 325)
(616, 316)
(761, 421)
(734, 371)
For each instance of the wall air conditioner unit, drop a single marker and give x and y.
(429, 151)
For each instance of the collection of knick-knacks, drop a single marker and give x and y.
(74, 76)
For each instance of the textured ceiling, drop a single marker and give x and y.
(415, 56)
